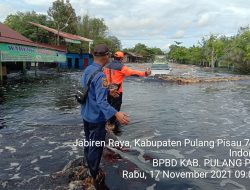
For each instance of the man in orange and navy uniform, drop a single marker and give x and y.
(115, 73)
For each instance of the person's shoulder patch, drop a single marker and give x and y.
(105, 83)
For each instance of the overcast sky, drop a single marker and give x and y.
(157, 23)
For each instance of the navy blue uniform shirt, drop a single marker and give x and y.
(96, 109)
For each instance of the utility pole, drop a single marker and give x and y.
(89, 47)
(58, 38)
(1, 71)
(58, 29)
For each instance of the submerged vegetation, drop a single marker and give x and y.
(217, 51)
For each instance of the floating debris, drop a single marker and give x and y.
(193, 79)
(76, 176)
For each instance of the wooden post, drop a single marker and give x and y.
(35, 68)
(24, 68)
(58, 37)
(36, 34)
(1, 72)
(58, 67)
(89, 47)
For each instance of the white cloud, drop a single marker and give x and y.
(100, 2)
(39, 2)
(4, 11)
(155, 23)
(122, 22)
(241, 11)
(166, 46)
(204, 20)
(179, 34)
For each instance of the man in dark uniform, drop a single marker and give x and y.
(96, 110)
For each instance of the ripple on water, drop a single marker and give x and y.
(38, 169)
(13, 164)
(173, 152)
(209, 123)
(247, 120)
(10, 149)
(227, 121)
(233, 183)
(152, 187)
(16, 176)
(172, 110)
(34, 161)
(190, 151)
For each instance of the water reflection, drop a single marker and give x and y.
(41, 117)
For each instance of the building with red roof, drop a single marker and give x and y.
(15, 48)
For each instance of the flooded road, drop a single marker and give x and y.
(40, 120)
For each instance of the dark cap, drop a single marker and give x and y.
(101, 50)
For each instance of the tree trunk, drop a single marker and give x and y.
(212, 58)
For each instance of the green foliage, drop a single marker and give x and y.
(63, 16)
(97, 30)
(232, 52)
(195, 55)
(20, 23)
(147, 52)
(178, 53)
(239, 53)
(157, 51)
(112, 42)
(92, 27)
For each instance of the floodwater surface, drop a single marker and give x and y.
(40, 120)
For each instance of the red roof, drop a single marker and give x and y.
(11, 36)
(62, 34)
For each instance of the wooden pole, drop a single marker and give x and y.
(58, 37)
(35, 68)
(36, 34)
(89, 48)
(1, 66)
(1, 71)
(58, 67)
(24, 68)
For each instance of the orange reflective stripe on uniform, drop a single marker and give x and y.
(119, 72)
(130, 72)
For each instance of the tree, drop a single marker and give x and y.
(239, 51)
(214, 49)
(20, 23)
(157, 51)
(147, 52)
(178, 54)
(92, 27)
(115, 43)
(112, 42)
(97, 30)
(233, 52)
(195, 55)
(143, 50)
(63, 17)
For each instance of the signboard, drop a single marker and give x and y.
(72, 41)
(20, 53)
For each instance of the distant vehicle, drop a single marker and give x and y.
(160, 66)
(160, 69)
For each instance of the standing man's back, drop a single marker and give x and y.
(96, 110)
